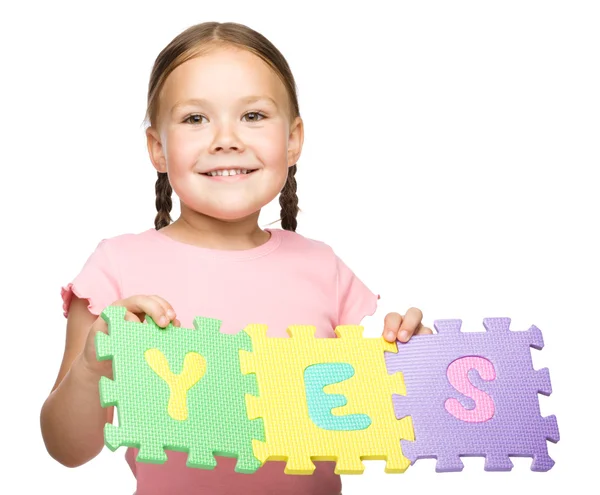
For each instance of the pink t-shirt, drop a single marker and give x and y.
(289, 280)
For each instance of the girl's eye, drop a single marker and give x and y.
(197, 118)
(254, 116)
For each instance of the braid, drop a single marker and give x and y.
(288, 200)
(163, 201)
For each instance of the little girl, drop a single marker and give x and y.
(225, 134)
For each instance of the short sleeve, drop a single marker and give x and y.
(98, 282)
(355, 299)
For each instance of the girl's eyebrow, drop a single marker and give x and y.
(202, 101)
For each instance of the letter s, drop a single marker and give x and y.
(458, 376)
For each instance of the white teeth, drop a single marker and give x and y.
(227, 173)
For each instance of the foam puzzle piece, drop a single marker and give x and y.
(325, 399)
(474, 394)
(178, 389)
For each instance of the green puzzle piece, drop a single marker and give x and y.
(178, 389)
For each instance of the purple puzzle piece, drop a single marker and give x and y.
(494, 413)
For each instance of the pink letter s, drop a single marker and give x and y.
(458, 376)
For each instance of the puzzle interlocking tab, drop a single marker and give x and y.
(178, 389)
(474, 394)
(325, 399)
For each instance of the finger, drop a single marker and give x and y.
(144, 305)
(391, 324)
(176, 322)
(169, 311)
(411, 321)
(129, 316)
(423, 331)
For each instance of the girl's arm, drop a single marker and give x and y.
(72, 419)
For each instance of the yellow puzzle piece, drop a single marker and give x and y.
(324, 399)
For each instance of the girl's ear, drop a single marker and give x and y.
(295, 141)
(155, 150)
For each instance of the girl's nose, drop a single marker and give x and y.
(226, 139)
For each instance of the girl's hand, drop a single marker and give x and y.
(137, 308)
(402, 328)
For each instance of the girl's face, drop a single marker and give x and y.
(221, 113)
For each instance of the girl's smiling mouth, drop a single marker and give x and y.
(229, 175)
(229, 172)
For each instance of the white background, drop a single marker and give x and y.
(451, 157)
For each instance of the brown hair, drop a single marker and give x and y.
(192, 42)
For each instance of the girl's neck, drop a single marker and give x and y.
(208, 232)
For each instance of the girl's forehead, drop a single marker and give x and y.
(223, 72)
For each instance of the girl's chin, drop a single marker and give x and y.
(228, 213)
